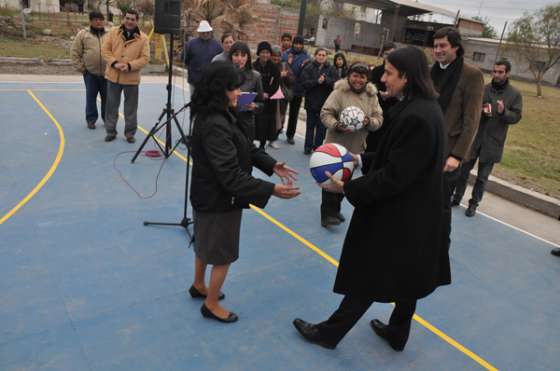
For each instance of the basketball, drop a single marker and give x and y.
(352, 118)
(333, 158)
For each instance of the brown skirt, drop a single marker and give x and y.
(216, 236)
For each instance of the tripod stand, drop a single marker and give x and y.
(170, 115)
(168, 149)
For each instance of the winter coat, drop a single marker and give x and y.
(343, 97)
(270, 76)
(134, 52)
(223, 158)
(222, 57)
(341, 72)
(393, 248)
(301, 59)
(316, 94)
(86, 52)
(492, 132)
(463, 114)
(252, 84)
(198, 54)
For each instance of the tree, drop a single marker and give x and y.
(535, 38)
(489, 31)
(231, 15)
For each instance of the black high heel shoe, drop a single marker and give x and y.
(195, 294)
(207, 313)
(396, 336)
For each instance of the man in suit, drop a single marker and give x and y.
(502, 106)
(460, 87)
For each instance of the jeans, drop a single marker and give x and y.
(295, 104)
(130, 108)
(315, 130)
(95, 85)
(484, 170)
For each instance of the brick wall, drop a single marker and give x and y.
(272, 22)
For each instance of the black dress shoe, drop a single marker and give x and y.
(207, 313)
(471, 211)
(311, 333)
(395, 336)
(329, 220)
(195, 294)
(555, 252)
(340, 217)
(291, 141)
(455, 202)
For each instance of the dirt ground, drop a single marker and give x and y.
(44, 69)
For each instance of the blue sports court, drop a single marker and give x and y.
(85, 286)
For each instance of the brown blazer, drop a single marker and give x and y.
(463, 114)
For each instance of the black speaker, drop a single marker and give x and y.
(167, 16)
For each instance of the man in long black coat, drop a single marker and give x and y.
(393, 251)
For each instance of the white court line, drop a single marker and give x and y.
(514, 227)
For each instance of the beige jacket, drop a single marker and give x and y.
(135, 52)
(86, 52)
(340, 98)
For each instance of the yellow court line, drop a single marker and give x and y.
(53, 167)
(449, 340)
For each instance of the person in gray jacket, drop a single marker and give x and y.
(501, 107)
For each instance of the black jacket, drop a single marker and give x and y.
(393, 248)
(223, 160)
(316, 94)
(491, 136)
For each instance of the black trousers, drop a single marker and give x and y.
(330, 203)
(484, 170)
(295, 105)
(352, 308)
(449, 183)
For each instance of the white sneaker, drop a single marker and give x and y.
(274, 145)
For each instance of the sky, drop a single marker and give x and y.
(497, 11)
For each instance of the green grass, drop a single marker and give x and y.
(11, 47)
(531, 156)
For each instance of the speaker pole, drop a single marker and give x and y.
(168, 108)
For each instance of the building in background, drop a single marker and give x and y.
(483, 52)
(41, 6)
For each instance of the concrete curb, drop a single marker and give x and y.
(521, 196)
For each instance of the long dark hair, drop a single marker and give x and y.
(340, 55)
(243, 48)
(210, 93)
(412, 62)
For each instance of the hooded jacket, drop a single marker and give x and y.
(342, 97)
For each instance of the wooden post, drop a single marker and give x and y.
(500, 43)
